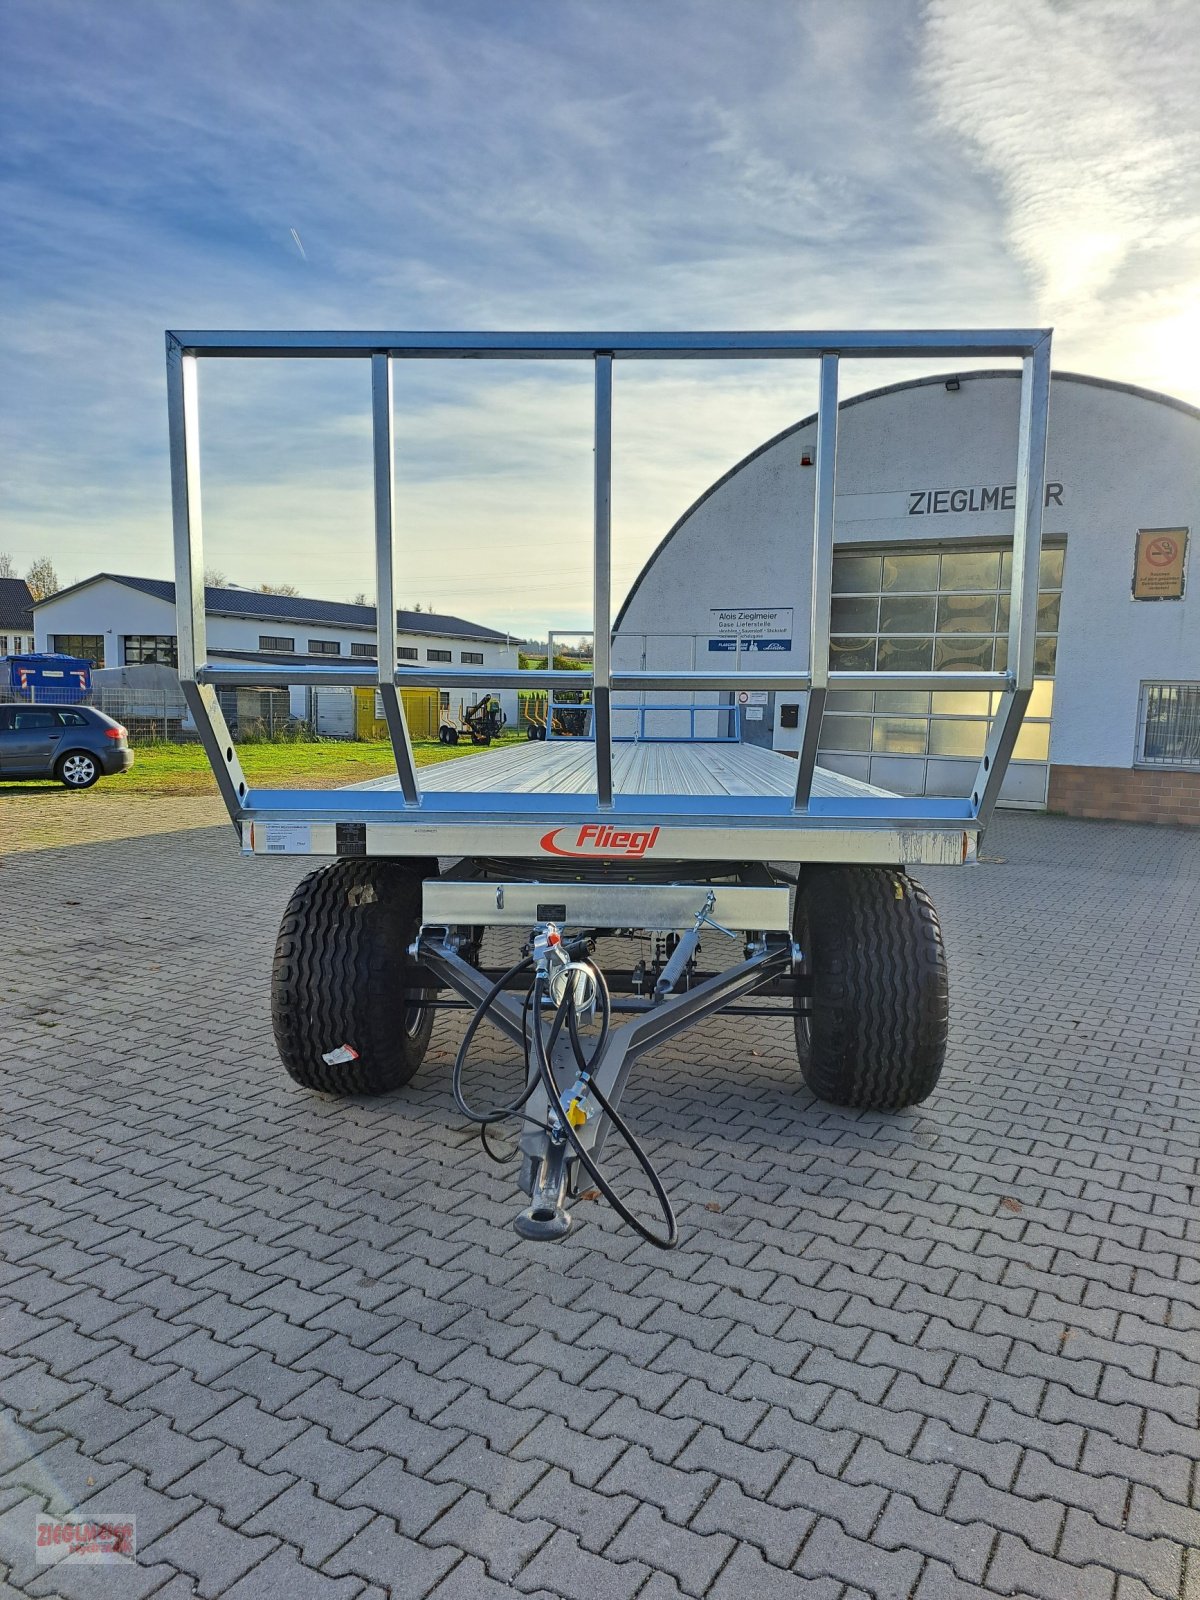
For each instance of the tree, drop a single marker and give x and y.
(214, 578)
(361, 599)
(278, 588)
(42, 578)
(7, 566)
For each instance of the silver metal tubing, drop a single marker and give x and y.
(1026, 564)
(947, 682)
(385, 579)
(913, 824)
(184, 422)
(707, 346)
(202, 703)
(602, 586)
(268, 674)
(785, 678)
(219, 747)
(822, 578)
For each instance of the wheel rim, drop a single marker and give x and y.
(803, 970)
(413, 1019)
(79, 770)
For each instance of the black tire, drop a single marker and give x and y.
(871, 942)
(338, 978)
(442, 735)
(77, 769)
(451, 735)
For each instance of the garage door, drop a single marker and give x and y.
(914, 609)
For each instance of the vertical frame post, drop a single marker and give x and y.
(822, 577)
(1026, 566)
(191, 643)
(385, 578)
(602, 585)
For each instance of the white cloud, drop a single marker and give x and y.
(1086, 114)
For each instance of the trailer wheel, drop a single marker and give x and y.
(872, 945)
(343, 1023)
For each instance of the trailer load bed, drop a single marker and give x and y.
(659, 843)
(644, 768)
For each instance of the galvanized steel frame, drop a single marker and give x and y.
(201, 678)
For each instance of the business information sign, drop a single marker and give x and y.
(765, 628)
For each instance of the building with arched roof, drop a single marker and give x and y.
(923, 527)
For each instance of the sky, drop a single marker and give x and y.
(681, 164)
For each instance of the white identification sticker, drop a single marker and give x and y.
(339, 1057)
(284, 838)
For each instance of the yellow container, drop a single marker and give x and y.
(420, 710)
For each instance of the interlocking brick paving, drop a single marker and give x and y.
(950, 1352)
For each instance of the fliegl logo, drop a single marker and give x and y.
(598, 839)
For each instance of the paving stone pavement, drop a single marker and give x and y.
(950, 1352)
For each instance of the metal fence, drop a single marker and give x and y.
(157, 716)
(1169, 726)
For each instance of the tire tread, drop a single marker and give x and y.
(338, 976)
(880, 1004)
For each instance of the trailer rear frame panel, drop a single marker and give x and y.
(421, 809)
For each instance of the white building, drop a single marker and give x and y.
(118, 621)
(16, 617)
(923, 527)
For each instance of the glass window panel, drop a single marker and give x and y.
(1044, 655)
(1000, 663)
(849, 700)
(905, 655)
(845, 733)
(902, 705)
(1003, 611)
(858, 614)
(967, 613)
(1006, 569)
(1047, 613)
(852, 655)
(907, 614)
(962, 705)
(1041, 701)
(856, 574)
(971, 569)
(909, 574)
(1033, 742)
(900, 736)
(1051, 570)
(948, 738)
(963, 655)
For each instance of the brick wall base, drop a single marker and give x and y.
(1126, 795)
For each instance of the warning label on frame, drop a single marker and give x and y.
(750, 628)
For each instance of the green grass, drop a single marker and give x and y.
(324, 764)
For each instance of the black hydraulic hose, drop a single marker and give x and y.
(670, 1238)
(499, 1113)
(489, 1119)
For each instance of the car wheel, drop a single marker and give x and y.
(77, 770)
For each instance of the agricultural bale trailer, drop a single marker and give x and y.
(572, 843)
